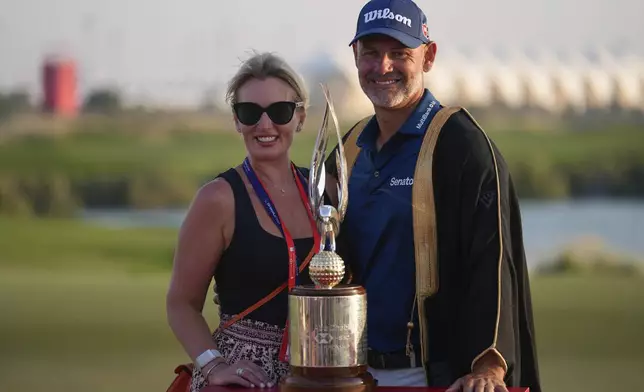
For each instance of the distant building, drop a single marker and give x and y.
(570, 83)
(574, 82)
(59, 85)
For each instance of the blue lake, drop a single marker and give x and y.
(548, 226)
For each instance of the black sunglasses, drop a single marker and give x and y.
(280, 113)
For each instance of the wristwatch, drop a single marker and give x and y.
(206, 357)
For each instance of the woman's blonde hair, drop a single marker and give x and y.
(262, 66)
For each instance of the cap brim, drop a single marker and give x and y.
(405, 39)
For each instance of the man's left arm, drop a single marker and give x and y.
(485, 322)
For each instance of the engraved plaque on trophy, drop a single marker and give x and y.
(328, 320)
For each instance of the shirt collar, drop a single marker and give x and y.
(367, 138)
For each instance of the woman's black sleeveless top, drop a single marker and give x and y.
(256, 262)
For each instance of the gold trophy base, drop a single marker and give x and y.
(339, 379)
(340, 311)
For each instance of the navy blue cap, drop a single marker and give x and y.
(402, 20)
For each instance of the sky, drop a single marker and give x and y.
(171, 51)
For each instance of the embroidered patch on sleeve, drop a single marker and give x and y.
(487, 198)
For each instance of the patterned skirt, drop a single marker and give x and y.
(251, 340)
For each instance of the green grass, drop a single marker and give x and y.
(77, 316)
(67, 245)
(589, 332)
(571, 148)
(135, 165)
(201, 153)
(84, 155)
(74, 331)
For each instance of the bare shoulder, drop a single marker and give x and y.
(212, 207)
(215, 195)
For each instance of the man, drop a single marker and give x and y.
(475, 331)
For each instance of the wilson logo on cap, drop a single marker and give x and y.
(386, 14)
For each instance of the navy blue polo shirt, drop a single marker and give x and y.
(378, 226)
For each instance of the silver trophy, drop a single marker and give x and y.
(328, 320)
(327, 268)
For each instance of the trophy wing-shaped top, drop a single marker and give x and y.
(317, 174)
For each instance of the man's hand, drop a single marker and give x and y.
(479, 381)
(487, 376)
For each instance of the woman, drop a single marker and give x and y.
(238, 228)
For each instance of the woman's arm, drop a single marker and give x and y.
(204, 234)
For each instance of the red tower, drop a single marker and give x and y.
(59, 87)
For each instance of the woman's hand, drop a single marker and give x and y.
(244, 373)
